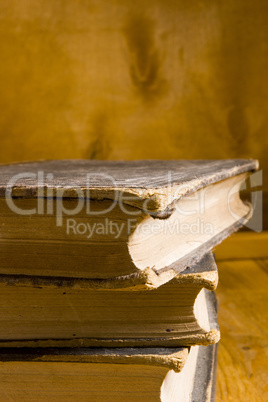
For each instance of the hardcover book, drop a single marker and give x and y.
(128, 374)
(48, 312)
(107, 219)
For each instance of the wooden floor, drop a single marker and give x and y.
(243, 317)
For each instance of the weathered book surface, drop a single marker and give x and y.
(179, 312)
(100, 219)
(204, 388)
(126, 374)
(139, 178)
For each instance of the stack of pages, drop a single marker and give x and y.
(107, 277)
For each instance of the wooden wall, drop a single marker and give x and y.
(136, 79)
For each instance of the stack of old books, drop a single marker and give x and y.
(107, 277)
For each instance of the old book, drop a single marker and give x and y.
(48, 313)
(138, 374)
(101, 219)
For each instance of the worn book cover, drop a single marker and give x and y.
(108, 219)
(99, 374)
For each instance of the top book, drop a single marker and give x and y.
(104, 219)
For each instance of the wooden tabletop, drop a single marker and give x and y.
(243, 318)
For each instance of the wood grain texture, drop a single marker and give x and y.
(243, 245)
(243, 319)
